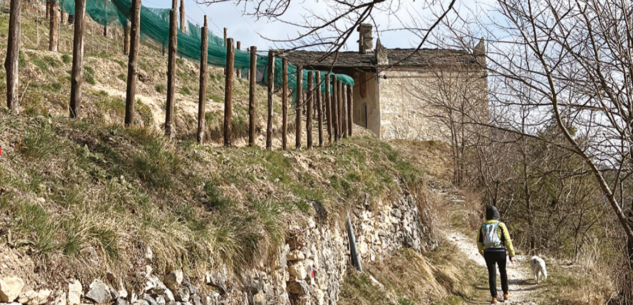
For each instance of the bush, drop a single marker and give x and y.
(65, 58)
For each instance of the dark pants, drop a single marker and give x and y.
(498, 258)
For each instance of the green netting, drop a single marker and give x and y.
(155, 26)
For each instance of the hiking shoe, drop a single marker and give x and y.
(494, 301)
(506, 296)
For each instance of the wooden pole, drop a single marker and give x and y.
(225, 37)
(126, 39)
(319, 107)
(183, 27)
(341, 110)
(105, 26)
(171, 67)
(298, 95)
(344, 110)
(238, 73)
(48, 9)
(271, 92)
(309, 97)
(284, 103)
(335, 108)
(350, 109)
(76, 79)
(328, 108)
(202, 97)
(135, 37)
(13, 50)
(228, 91)
(53, 33)
(251, 97)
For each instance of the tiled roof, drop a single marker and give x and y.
(401, 57)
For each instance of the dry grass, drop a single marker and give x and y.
(88, 197)
(408, 277)
(432, 156)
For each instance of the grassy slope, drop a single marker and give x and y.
(45, 81)
(72, 190)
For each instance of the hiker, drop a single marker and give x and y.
(493, 241)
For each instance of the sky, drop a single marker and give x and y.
(249, 31)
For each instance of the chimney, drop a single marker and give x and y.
(365, 38)
(382, 58)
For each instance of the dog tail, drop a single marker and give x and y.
(544, 272)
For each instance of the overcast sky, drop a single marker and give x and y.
(246, 29)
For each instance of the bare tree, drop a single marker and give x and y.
(575, 59)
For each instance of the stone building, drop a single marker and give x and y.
(402, 94)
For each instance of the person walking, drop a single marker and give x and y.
(493, 241)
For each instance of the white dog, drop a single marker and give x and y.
(538, 266)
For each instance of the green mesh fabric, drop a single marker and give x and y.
(155, 26)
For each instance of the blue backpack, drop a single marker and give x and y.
(490, 237)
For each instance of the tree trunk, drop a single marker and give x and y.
(298, 98)
(284, 103)
(252, 113)
(13, 51)
(202, 97)
(171, 67)
(135, 36)
(228, 92)
(271, 93)
(52, 43)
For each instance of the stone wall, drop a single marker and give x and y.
(309, 269)
(413, 102)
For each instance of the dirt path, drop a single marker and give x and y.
(521, 281)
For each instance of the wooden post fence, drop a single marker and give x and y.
(350, 109)
(76, 78)
(183, 27)
(298, 98)
(225, 36)
(202, 97)
(341, 110)
(252, 79)
(328, 108)
(335, 109)
(319, 107)
(238, 73)
(309, 97)
(284, 103)
(105, 26)
(135, 37)
(126, 40)
(171, 67)
(271, 92)
(53, 27)
(344, 111)
(11, 62)
(228, 91)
